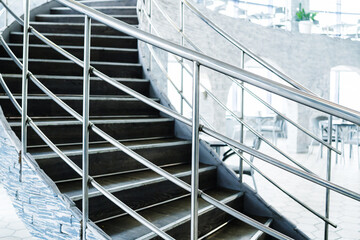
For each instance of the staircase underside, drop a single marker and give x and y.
(130, 121)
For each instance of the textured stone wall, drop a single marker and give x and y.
(45, 211)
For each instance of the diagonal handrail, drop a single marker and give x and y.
(137, 157)
(248, 52)
(221, 67)
(172, 23)
(277, 88)
(154, 55)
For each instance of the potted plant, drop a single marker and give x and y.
(305, 20)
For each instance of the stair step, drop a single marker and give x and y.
(43, 106)
(75, 28)
(129, 19)
(111, 10)
(102, 3)
(78, 39)
(127, 186)
(174, 217)
(74, 85)
(100, 54)
(236, 229)
(71, 131)
(68, 68)
(105, 158)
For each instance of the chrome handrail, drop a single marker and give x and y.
(157, 60)
(133, 154)
(203, 60)
(219, 66)
(248, 52)
(172, 23)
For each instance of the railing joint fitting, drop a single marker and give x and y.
(201, 127)
(91, 70)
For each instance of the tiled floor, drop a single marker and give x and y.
(11, 227)
(344, 212)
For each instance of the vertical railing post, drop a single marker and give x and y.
(6, 14)
(150, 31)
(181, 59)
(85, 127)
(328, 178)
(241, 163)
(195, 152)
(24, 91)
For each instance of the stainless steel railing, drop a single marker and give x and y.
(198, 60)
(244, 50)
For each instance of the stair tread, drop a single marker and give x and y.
(69, 61)
(8, 75)
(76, 47)
(126, 227)
(103, 121)
(78, 97)
(37, 23)
(78, 35)
(123, 181)
(76, 149)
(98, 7)
(80, 15)
(236, 229)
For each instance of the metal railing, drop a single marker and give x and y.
(239, 119)
(198, 60)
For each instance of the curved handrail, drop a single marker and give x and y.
(172, 23)
(162, 68)
(219, 66)
(248, 52)
(211, 63)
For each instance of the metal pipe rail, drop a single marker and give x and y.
(157, 60)
(248, 52)
(172, 23)
(140, 159)
(210, 132)
(213, 64)
(219, 66)
(79, 171)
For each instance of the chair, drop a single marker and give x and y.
(316, 129)
(248, 170)
(276, 126)
(353, 138)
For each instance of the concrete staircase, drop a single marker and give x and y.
(130, 121)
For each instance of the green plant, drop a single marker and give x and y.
(301, 15)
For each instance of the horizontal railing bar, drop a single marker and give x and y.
(236, 82)
(227, 69)
(313, 178)
(154, 55)
(244, 49)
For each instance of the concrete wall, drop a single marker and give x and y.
(308, 59)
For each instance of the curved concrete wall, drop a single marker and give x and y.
(308, 59)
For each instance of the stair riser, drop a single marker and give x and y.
(73, 133)
(100, 207)
(109, 3)
(75, 86)
(68, 68)
(79, 41)
(75, 29)
(207, 222)
(96, 54)
(110, 11)
(129, 20)
(47, 107)
(110, 162)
